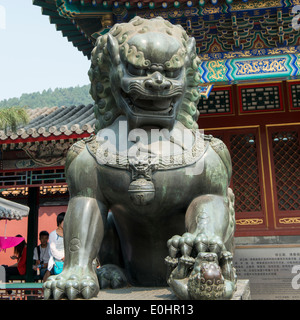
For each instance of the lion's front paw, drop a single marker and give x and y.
(201, 268)
(71, 285)
(111, 276)
(180, 246)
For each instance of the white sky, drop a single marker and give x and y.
(33, 55)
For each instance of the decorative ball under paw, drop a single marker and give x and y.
(207, 283)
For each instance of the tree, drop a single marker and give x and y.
(11, 118)
(49, 98)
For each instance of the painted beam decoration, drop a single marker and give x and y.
(236, 40)
(281, 66)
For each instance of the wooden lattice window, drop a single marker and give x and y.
(246, 180)
(259, 98)
(218, 102)
(34, 177)
(295, 96)
(286, 157)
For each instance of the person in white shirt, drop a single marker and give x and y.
(41, 254)
(56, 248)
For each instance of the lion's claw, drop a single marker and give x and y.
(88, 288)
(71, 286)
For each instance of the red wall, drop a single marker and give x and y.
(47, 222)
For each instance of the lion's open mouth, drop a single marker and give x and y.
(146, 105)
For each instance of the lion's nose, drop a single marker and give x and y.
(157, 82)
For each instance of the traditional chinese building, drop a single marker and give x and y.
(32, 168)
(250, 53)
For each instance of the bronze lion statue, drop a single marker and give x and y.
(149, 192)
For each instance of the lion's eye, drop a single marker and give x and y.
(135, 71)
(173, 74)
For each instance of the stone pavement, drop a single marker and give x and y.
(134, 293)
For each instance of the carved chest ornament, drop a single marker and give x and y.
(143, 163)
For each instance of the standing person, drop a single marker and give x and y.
(41, 254)
(56, 248)
(19, 268)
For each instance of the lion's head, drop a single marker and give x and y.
(148, 71)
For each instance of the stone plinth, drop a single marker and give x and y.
(242, 291)
(134, 293)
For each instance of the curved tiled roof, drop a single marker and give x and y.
(12, 210)
(55, 121)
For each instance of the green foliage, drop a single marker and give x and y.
(13, 117)
(49, 98)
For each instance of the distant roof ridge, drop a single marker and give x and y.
(54, 121)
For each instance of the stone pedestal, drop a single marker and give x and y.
(134, 293)
(243, 290)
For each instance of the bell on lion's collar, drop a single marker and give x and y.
(141, 192)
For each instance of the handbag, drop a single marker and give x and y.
(58, 267)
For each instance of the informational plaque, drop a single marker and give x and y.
(274, 272)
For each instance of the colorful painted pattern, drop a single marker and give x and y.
(250, 68)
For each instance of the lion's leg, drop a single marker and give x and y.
(112, 273)
(211, 216)
(202, 256)
(83, 233)
(83, 229)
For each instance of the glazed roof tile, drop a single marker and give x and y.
(34, 113)
(12, 210)
(54, 121)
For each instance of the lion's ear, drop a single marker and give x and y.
(113, 49)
